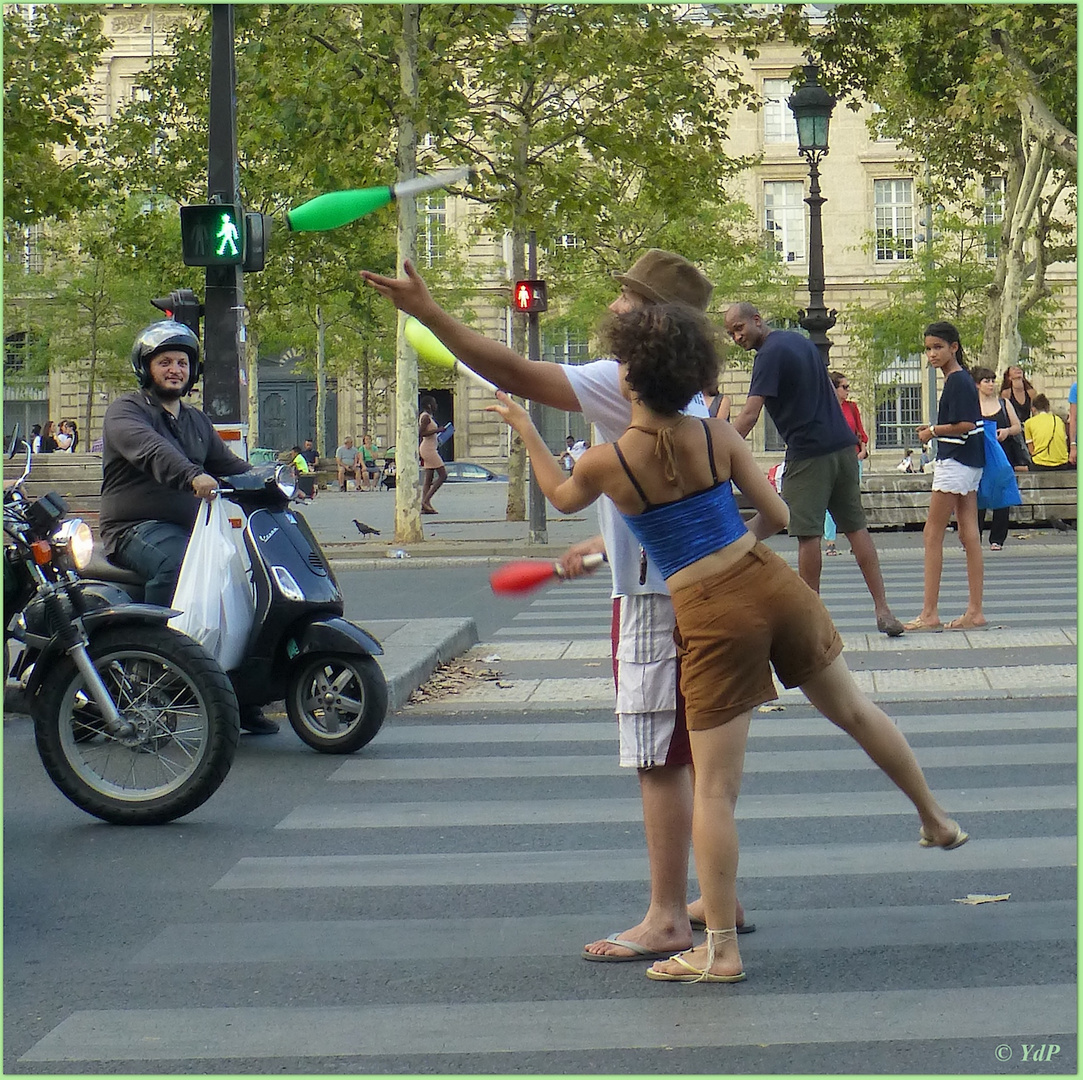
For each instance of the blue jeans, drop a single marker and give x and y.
(154, 550)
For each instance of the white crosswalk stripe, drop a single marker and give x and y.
(499, 818)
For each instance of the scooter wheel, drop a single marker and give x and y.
(336, 703)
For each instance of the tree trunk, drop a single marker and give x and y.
(517, 469)
(251, 366)
(1035, 173)
(407, 470)
(321, 379)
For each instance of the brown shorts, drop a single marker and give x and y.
(731, 629)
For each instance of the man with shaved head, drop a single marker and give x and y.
(790, 378)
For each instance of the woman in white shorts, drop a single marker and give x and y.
(960, 457)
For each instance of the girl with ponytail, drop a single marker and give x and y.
(960, 457)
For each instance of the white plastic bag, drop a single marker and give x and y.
(213, 592)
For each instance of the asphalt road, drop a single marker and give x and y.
(420, 906)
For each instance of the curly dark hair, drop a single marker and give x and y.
(668, 351)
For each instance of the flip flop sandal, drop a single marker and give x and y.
(958, 624)
(916, 626)
(958, 840)
(639, 952)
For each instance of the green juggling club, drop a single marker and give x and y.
(341, 207)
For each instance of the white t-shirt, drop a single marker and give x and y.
(597, 387)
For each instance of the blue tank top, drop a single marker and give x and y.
(679, 533)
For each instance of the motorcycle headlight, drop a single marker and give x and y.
(286, 479)
(74, 542)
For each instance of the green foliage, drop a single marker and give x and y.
(949, 78)
(101, 270)
(580, 117)
(974, 91)
(948, 278)
(312, 116)
(50, 51)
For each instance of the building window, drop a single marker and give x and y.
(23, 247)
(898, 404)
(431, 228)
(784, 218)
(772, 440)
(993, 214)
(564, 347)
(779, 125)
(894, 201)
(569, 242)
(14, 352)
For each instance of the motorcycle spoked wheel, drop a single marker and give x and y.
(337, 703)
(186, 717)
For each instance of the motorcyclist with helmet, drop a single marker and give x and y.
(160, 458)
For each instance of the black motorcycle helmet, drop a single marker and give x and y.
(166, 334)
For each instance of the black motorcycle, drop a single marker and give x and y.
(300, 647)
(134, 722)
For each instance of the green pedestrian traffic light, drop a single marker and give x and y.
(212, 234)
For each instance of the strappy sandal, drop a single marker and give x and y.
(694, 973)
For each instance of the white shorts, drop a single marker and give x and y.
(645, 657)
(952, 477)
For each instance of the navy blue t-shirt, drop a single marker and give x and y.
(959, 401)
(791, 377)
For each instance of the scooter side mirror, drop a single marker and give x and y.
(13, 449)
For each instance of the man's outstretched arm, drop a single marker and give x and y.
(537, 380)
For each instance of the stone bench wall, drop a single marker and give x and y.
(892, 500)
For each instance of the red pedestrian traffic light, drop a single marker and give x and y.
(530, 296)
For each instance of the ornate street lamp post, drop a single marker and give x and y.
(811, 106)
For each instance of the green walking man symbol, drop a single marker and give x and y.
(227, 237)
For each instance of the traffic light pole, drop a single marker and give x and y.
(223, 333)
(538, 532)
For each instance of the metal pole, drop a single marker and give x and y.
(223, 328)
(538, 533)
(930, 300)
(817, 320)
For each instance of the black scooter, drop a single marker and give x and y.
(300, 647)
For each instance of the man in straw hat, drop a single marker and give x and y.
(653, 738)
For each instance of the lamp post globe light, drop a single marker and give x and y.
(811, 106)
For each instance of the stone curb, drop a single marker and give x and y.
(466, 553)
(883, 699)
(414, 648)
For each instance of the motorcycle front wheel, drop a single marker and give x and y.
(184, 723)
(337, 703)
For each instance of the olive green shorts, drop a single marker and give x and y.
(812, 486)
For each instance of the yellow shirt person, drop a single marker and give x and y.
(1047, 438)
